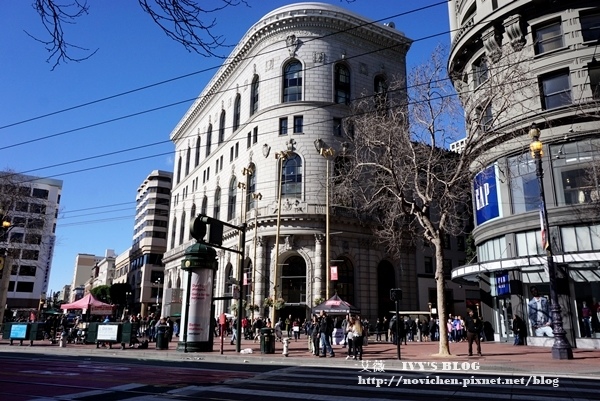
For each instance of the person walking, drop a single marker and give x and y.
(326, 328)
(474, 325)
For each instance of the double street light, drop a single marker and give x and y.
(327, 152)
(281, 158)
(561, 349)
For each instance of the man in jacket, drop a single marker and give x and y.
(326, 328)
(474, 324)
(539, 314)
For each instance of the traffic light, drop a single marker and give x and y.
(208, 230)
(396, 294)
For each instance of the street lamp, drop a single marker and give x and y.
(158, 280)
(561, 349)
(4, 268)
(326, 152)
(281, 158)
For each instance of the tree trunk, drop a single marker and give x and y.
(444, 345)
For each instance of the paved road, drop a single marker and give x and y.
(42, 377)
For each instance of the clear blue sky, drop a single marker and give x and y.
(98, 205)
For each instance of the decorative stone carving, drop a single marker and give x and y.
(512, 26)
(295, 206)
(292, 43)
(319, 57)
(491, 42)
(291, 145)
(289, 242)
(269, 64)
(363, 69)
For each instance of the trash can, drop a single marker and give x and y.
(162, 339)
(267, 341)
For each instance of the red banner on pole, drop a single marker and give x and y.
(245, 278)
(334, 272)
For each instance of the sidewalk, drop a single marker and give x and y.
(503, 358)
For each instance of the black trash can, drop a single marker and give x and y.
(267, 341)
(162, 338)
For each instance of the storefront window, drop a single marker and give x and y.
(524, 186)
(575, 176)
(580, 239)
(494, 249)
(529, 243)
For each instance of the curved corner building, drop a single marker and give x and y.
(287, 84)
(558, 43)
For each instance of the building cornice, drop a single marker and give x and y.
(304, 17)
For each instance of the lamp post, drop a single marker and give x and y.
(326, 152)
(281, 158)
(5, 269)
(561, 349)
(158, 280)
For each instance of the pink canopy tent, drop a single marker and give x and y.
(89, 302)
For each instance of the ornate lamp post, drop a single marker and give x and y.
(326, 152)
(561, 348)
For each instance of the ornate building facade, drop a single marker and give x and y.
(557, 43)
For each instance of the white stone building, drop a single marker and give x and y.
(287, 84)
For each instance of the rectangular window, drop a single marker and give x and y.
(555, 90)
(40, 193)
(590, 27)
(208, 174)
(575, 172)
(283, 126)
(22, 207)
(249, 140)
(298, 124)
(24, 286)
(446, 241)
(594, 73)
(255, 137)
(221, 163)
(28, 271)
(231, 154)
(428, 262)
(237, 149)
(37, 208)
(548, 37)
(529, 243)
(217, 164)
(480, 71)
(447, 266)
(486, 118)
(524, 186)
(16, 238)
(30, 254)
(460, 244)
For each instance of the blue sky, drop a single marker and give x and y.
(98, 204)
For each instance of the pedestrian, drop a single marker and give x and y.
(326, 329)
(474, 325)
(315, 335)
(296, 329)
(519, 330)
(539, 314)
(379, 328)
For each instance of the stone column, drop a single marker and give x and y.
(318, 285)
(259, 280)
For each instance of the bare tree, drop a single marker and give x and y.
(399, 169)
(184, 21)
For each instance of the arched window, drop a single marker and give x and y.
(251, 185)
(222, 127)
(179, 169)
(187, 161)
(236, 112)
(342, 84)
(380, 90)
(217, 203)
(292, 81)
(197, 159)
(182, 229)
(254, 95)
(208, 139)
(232, 198)
(192, 217)
(291, 178)
(204, 206)
(173, 231)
